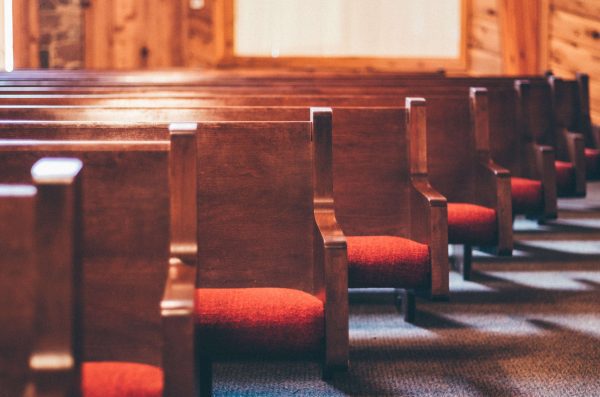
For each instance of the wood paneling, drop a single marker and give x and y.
(484, 62)
(484, 46)
(584, 8)
(26, 34)
(574, 43)
(128, 34)
(520, 25)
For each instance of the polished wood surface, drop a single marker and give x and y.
(17, 285)
(126, 234)
(58, 350)
(540, 125)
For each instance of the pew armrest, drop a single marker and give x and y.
(544, 159)
(576, 151)
(331, 284)
(429, 225)
(177, 312)
(493, 191)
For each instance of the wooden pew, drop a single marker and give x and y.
(17, 285)
(275, 206)
(533, 176)
(531, 163)
(126, 239)
(352, 120)
(445, 111)
(540, 126)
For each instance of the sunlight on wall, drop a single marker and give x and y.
(376, 28)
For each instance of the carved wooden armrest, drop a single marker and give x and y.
(493, 191)
(332, 257)
(429, 225)
(545, 158)
(177, 312)
(576, 151)
(330, 254)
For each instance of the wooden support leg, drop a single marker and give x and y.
(406, 303)
(461, 260)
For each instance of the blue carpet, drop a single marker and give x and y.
(528, 325)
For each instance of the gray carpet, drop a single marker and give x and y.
(524, 326)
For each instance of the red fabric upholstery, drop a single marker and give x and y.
(387, 261)
(592, 162)
(565, 178)
(272, 321)
(527, 196)
(120, 379)
(471, 224)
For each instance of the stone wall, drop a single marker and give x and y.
(61, 42)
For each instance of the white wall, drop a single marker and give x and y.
(378, 28)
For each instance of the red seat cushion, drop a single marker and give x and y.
(271, 321)
(471, 224)
(527, 196)
(121, 379)
(565, 178)
(592, 162)
(387, 262)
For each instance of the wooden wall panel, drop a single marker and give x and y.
(484, 46)
(26, 33)
(520, 24)
(135, 34)
(574, 43)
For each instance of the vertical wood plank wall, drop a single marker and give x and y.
(574, 43)
(484, 43)
(26, 33)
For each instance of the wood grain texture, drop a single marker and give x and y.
(484, 38)
(18, 282)
(520, 22)
(126, 233)
(272, 244)
(330, 254)
(26, 32)
(58, 351)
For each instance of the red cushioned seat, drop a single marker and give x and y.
(387, 261)
(527, 196)
(471, 224)
(272, 321)
(592, 162)
(565, 178)
(120, 379)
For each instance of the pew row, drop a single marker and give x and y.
(355, 123)
(125, 259)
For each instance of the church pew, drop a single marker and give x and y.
(283, 290)
(17, 289)
(533, 175)
(40, 278)
(539, 124)
(381, 122)
(445, 111)
(126, 259)
(504, 131)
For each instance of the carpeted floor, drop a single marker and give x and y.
(524, 326)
